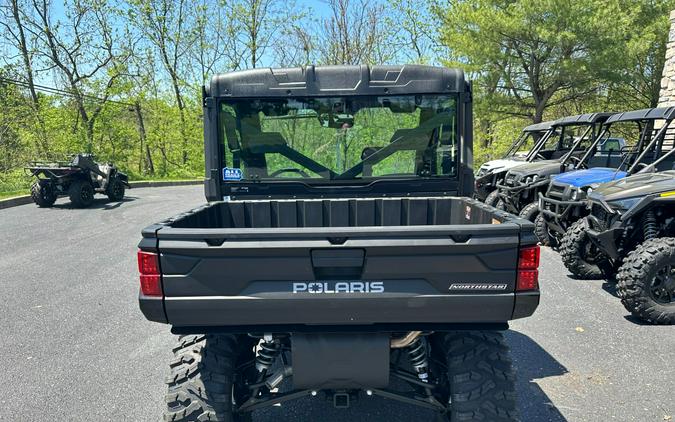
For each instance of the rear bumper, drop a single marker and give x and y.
(219, 311)
(152, 308)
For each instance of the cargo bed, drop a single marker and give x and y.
(304, 263)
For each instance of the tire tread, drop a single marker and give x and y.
(492, 198)
(541, 231)
(481, 375)
(529, 212)
(200, 382)
(570, 248)
(38, 197)
(75, 195)
(633, 277)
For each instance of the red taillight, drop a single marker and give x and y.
(148, 266)
(528, 273)
(527, 280)
(528, 259)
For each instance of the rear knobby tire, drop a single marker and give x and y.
(115, 190)
(492, 198)
(201, 380)
(574, 253)
(541, 230)
(481, 377)
(636, 276)
(530, 212)
(42, 193)
(81, 193)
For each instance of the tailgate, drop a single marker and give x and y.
(351, 275)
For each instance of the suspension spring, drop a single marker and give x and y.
(650, 227)
(417, 352)
(267, 353)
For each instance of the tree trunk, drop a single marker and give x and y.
(181, 114)
(148, 159)
(24, 54)
(90, 137)
(486, 128)
(144, 150)
(539, 108)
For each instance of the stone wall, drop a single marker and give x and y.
(667, 95)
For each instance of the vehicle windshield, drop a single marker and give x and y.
(564, 140)
(324, 139)
(616, 146)
(524, 144)
(546, 145)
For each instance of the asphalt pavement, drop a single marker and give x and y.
(75, 347)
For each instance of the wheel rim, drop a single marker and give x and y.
(662, 288)
(46, 193)
(117, 190)
(86, 194)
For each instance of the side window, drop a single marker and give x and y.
(611, 145)
(567, 141)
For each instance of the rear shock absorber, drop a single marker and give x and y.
(417, 352)
(267, 352)
(650, 227)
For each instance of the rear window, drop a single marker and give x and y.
(340, 138)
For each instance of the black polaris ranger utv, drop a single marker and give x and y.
(519, 193)
(632, 225)
(79, 179)
(524, 150)
(340, 251)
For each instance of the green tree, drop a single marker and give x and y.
(635, 80)
(537, 53)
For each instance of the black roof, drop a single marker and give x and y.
(539, 127)
(338, 80)
(580, 119)
(644, 114)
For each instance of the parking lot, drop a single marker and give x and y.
(76, 347)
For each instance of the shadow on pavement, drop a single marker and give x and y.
(533, 363)
(637, 321)
(99, 203)
(610, 288)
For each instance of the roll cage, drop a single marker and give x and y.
(652, 139)
(543, 129)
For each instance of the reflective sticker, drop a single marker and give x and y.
(665, 194)
(231, 174)
(486, 286)
(468, 212)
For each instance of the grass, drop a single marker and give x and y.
(13, 193)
